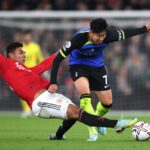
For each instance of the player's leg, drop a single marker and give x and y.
(26, 111)
(49, 105)
(93, 120)
(85, 103)
(106, 102)
(100, 84)
(103, 106)
(63, 128)
(82, 86)
(53, 105)
(74, 112)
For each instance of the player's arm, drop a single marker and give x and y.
(44, 65)
(76, 42)
(117, 35)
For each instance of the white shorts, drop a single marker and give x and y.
(49, 105)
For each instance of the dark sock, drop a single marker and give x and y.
(93, 120)
(64, 127)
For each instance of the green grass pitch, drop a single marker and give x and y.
(32, 134)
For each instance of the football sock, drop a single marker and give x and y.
(64, 127)
(93, 120)
(102, 109)
(85, 103)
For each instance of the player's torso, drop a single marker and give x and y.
(21, 79)
(89, 54)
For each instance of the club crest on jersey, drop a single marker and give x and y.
(68, 44)
(20, 67)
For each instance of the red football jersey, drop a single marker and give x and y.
(24, 81)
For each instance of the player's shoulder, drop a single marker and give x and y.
(83, 31)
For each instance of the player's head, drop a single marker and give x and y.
(27, 36)
(98, 30)
(15, 51)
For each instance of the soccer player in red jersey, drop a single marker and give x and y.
(30, 86)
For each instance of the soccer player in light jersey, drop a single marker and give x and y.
(29, 85)
(87, 68)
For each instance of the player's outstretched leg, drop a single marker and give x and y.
(118, 125)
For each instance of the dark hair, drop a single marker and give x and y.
(12, 47)
(98, 25)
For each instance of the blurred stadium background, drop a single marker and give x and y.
(52, 23)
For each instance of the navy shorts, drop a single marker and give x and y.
(98, 78)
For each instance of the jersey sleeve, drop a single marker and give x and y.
(44, 65)
(117, 35)
(75, 43)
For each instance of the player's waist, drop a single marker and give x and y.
(89, 62)
(39, 93)
(95, 65)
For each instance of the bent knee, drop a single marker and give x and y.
(107, 101)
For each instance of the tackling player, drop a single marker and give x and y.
(87, 68)
(33, 56)
(30, 86)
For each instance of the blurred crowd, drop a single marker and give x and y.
(74, 4)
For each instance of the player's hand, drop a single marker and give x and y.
(148, 27)
(53, 88)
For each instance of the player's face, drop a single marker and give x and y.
(18, 55)
(97, 38)
(27, 38)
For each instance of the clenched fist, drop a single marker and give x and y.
(53, 88)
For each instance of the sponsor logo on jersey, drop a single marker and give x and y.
(68, 44)
(20, 67)
(76, 74)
